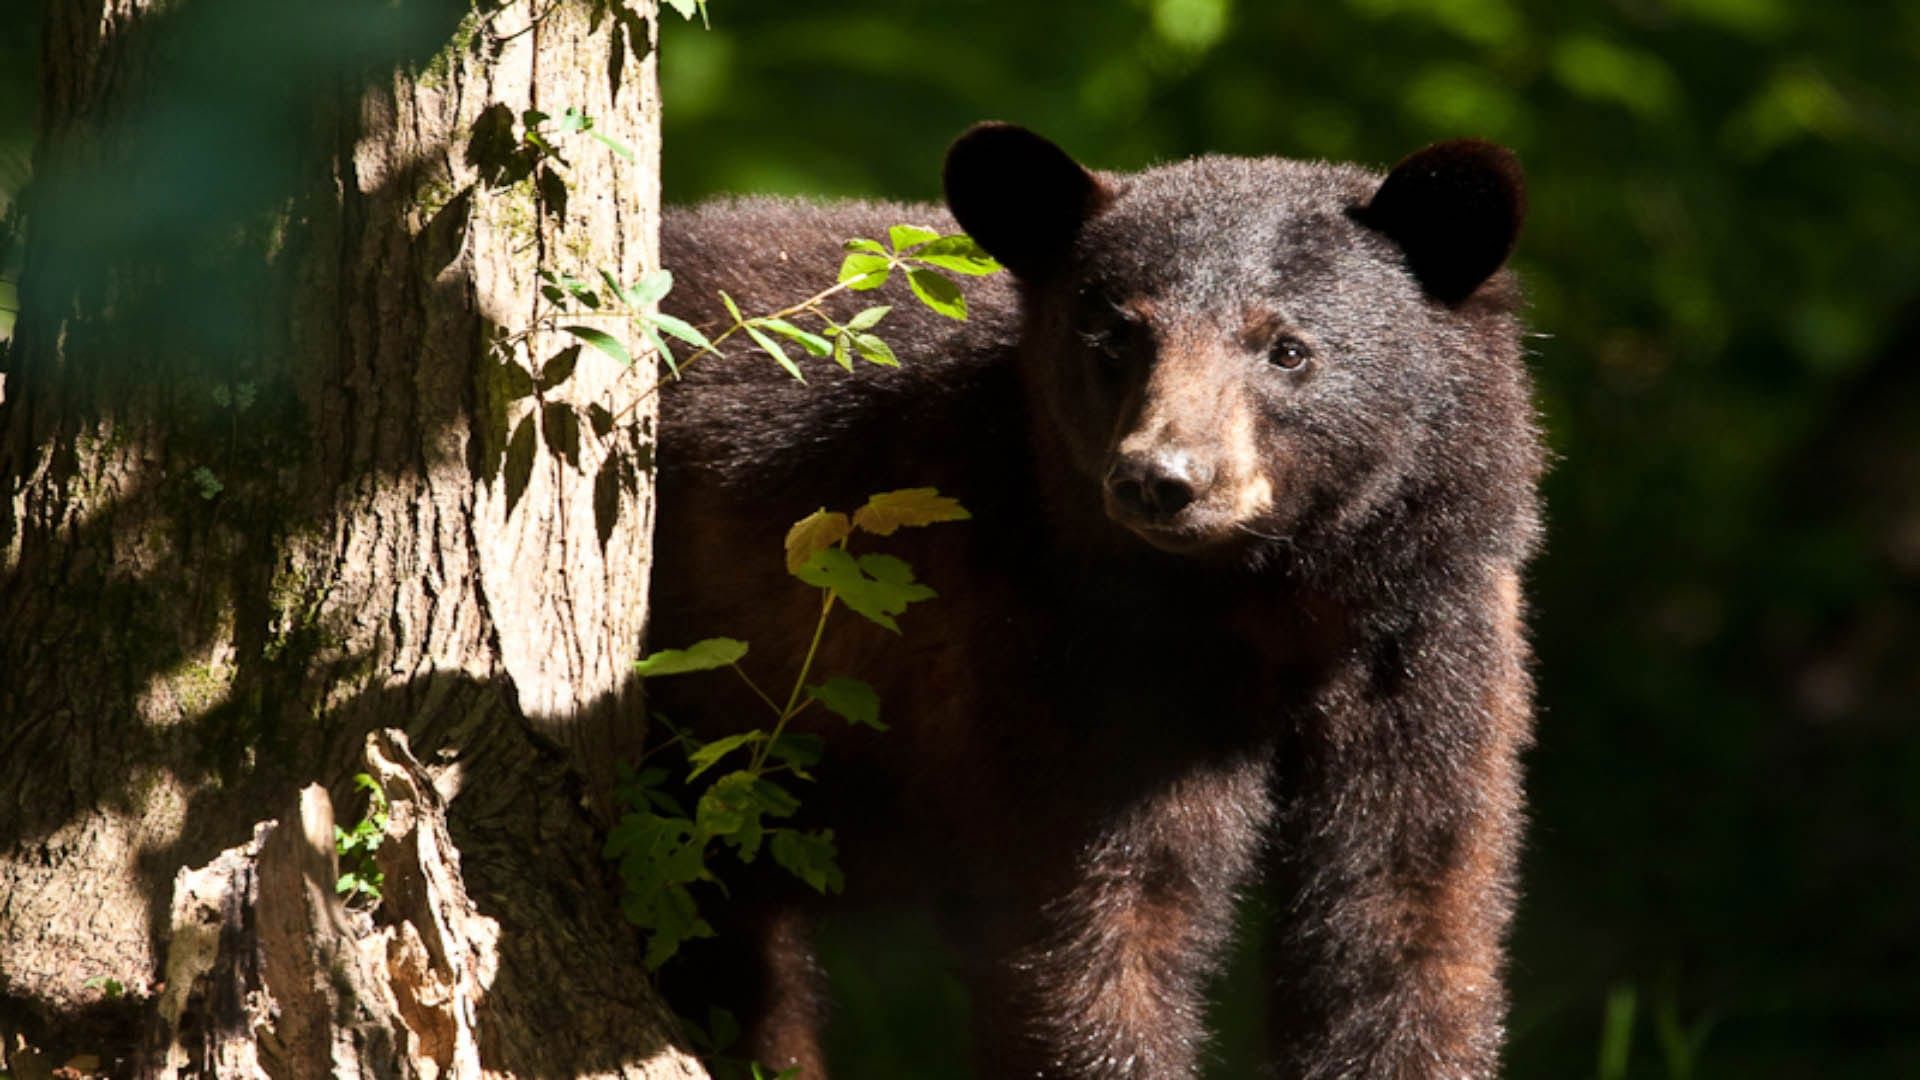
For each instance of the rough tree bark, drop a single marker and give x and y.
(277, 476)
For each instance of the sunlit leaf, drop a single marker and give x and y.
(874, 351)
(614, 145)
(903, 237)
(707, 755)
(700, 656)
(877, 587)
(602, 341)
(867, 318)
(890, 510)
(861, 272)
(772, 348)
(820, 529)
(811, 342)
(938, 292)
(680, 328)
(959, 254)
(652, 285)
(652, 334)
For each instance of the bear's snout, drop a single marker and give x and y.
(1155, 487)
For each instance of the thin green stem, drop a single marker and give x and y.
(808, 305)
(799, 683)
(755, 687)
(652, 750)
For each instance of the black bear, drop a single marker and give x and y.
(1252, 461)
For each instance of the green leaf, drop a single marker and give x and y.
(871, 247)
(867, 318)
(875, 351)
(938, 292)
(798, 752)
(809, 856)
(653, 850)
(905, 236)
(700, 656)
(959, 254)
(614, 145)
(573, 120)
(209, 484)
(613, 284)
(687, 8)
(652, 334)
(890, 510)
(681, 329)
(890, 570)
(820, 529)
(652, 285)
(851, 699)
(732, 808)
(842, 354)
(773, 349)
(723, 1029)
(773, 798)
(876, 590)
(861, 272)
(671, 918)
(733, 309)
(811, 342)
(603, 341)
(709, 754)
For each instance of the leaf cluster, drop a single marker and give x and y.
(925, 257)
(747, 802)
(361, 877)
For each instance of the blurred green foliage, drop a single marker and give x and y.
(18, 68)
(1724, 265)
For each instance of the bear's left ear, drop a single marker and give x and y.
(1455, 209)
(1020, 196)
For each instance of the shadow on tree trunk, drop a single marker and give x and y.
(273, 483)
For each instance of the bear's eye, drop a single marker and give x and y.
(1108, 339)
(1288, 353)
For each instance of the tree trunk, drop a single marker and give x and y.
(280, 472)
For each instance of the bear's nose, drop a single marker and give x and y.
(1156, 486)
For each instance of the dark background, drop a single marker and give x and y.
(1723, 262)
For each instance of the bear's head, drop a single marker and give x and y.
(1234, 351)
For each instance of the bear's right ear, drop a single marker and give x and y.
(1020, 197)
(1455, 209)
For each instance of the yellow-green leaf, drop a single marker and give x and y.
(861, 272)
(910, 506)
(818, 530)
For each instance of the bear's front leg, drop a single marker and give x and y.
(1101, 975)
(1399, 826)
(760, 969)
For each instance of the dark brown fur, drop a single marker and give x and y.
(1116, 719)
